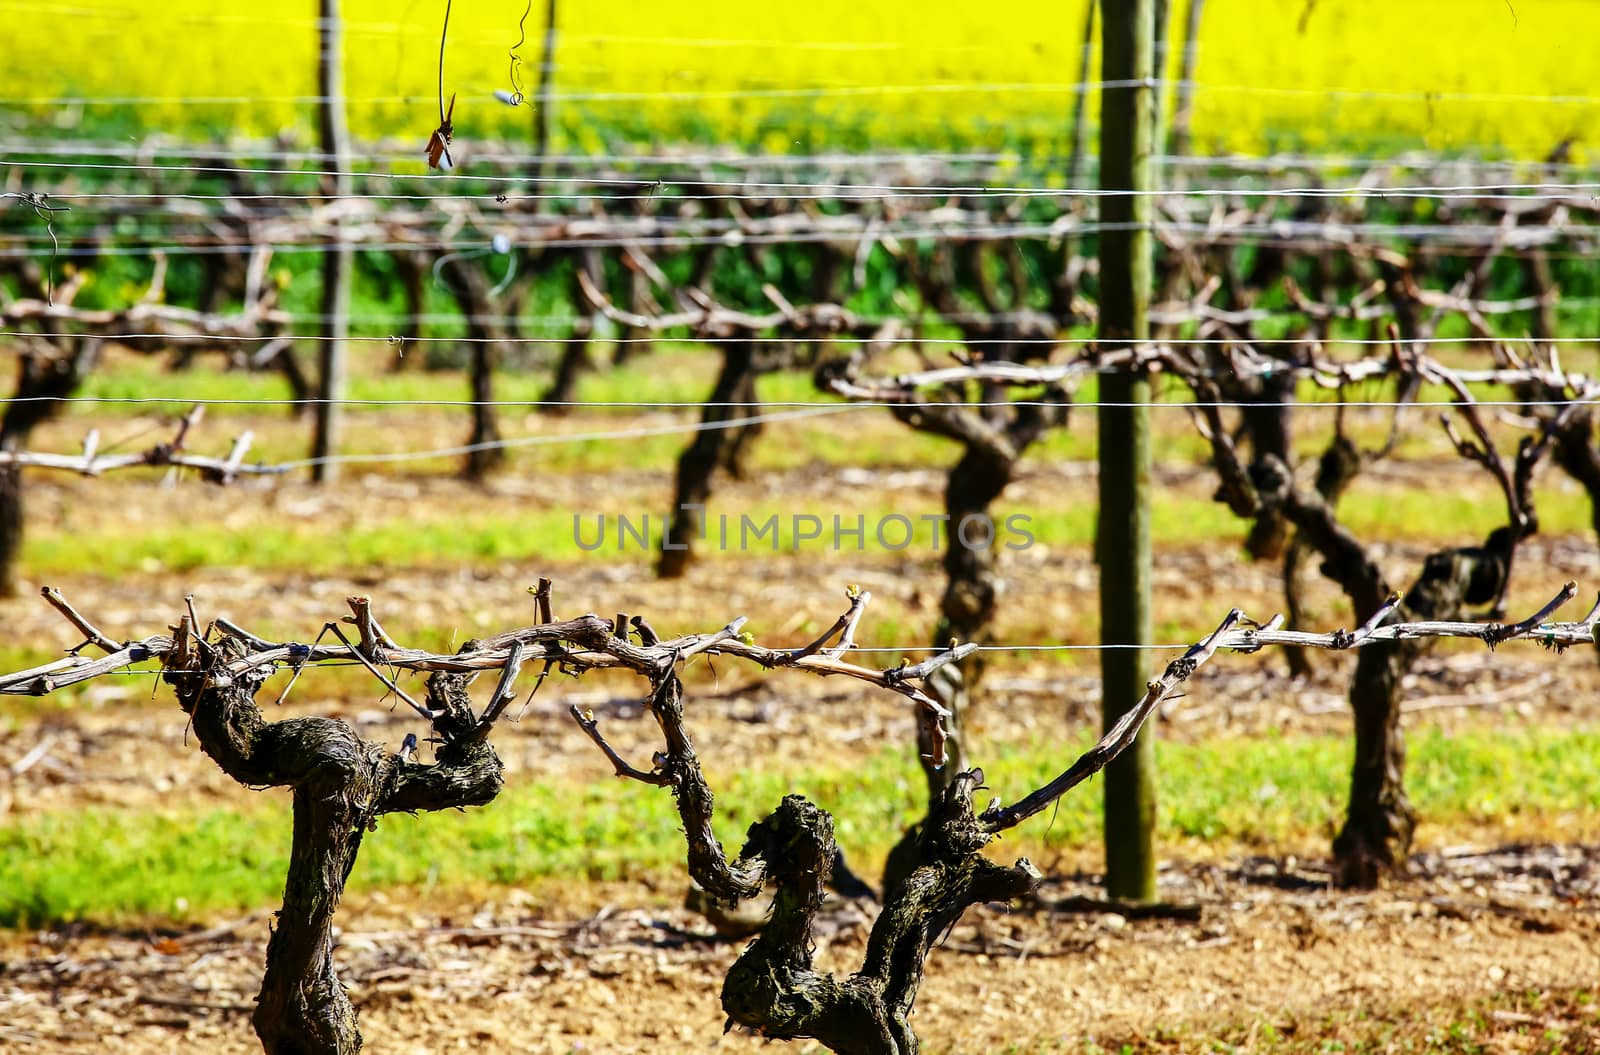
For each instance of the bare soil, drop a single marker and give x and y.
(1271, 947)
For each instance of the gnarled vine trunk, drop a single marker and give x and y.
(773, 987)
(341, 785)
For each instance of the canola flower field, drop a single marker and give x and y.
(1500, 78)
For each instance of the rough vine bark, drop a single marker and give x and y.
(773, 986)
(341, 785)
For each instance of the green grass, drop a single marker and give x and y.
(116, 866)
(675, 371)
(434, 537)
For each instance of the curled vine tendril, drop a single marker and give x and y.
(40, 203)
(516, 96)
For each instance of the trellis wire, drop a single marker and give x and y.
(972, 87)
(952, 318)
(68, 147)
(863, 192)
(1265, 164)
(1538, 629)
(818, 405)
(403, 29)
(864, 320)
(1461, 238)
(1540, 190)
(1102, 646)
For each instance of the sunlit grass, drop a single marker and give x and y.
(738, 530)
(185, 863)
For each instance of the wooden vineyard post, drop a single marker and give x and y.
(1127, 126)
(1183, 107)
(542, 116)
(1080, 102)
(339, 259)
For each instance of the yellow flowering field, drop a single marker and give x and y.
(1492, 76)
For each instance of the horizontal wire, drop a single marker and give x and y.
(1100, 646)
(689, 232)
(228, 170)
(938, 317)
(1103, 646)
(1426, 191)
(1458, 241)
(683, 241)
(240, 248)
(1266, 164)
(889, 192)
(675, 241)
(550, 440)
(401, 457)
(834, 91)
(171, 221)
(865, 320)
(819, 406)
(974, 87)
(1429, 239)
(171, 227)
(219, 233)
(296, 231)
(70, 147)
(567, 36)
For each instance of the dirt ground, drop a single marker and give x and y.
(1269, 946)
